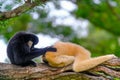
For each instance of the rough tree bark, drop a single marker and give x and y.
(109, 70)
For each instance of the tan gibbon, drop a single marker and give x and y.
(68, 53)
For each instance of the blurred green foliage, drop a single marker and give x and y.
(103, 29)
(105, 14)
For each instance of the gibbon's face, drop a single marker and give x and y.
(30, 43)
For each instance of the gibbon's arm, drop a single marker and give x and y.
(56, 60)
(37, 52)
(90, 63)
(22, 53)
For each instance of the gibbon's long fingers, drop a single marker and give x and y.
(79, 66)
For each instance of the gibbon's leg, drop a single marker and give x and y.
(64, 60)
(56, 60)
(79, 66)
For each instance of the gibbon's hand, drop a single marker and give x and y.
(51, 48)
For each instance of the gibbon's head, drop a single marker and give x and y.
(26, 36)
(44, 59)
(30, 43)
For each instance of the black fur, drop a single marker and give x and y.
(19, 52)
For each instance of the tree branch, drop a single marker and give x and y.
(21, 9)
(112, 10)
(110, 68)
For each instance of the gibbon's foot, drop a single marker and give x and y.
(29, 63)
(33, 65)
(112, 56)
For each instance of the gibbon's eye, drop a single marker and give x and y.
(30, 43)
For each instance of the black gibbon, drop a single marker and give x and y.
(68, 53)
(21, 51)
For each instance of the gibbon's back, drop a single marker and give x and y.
(70, 49)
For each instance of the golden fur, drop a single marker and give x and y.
(68, 53)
